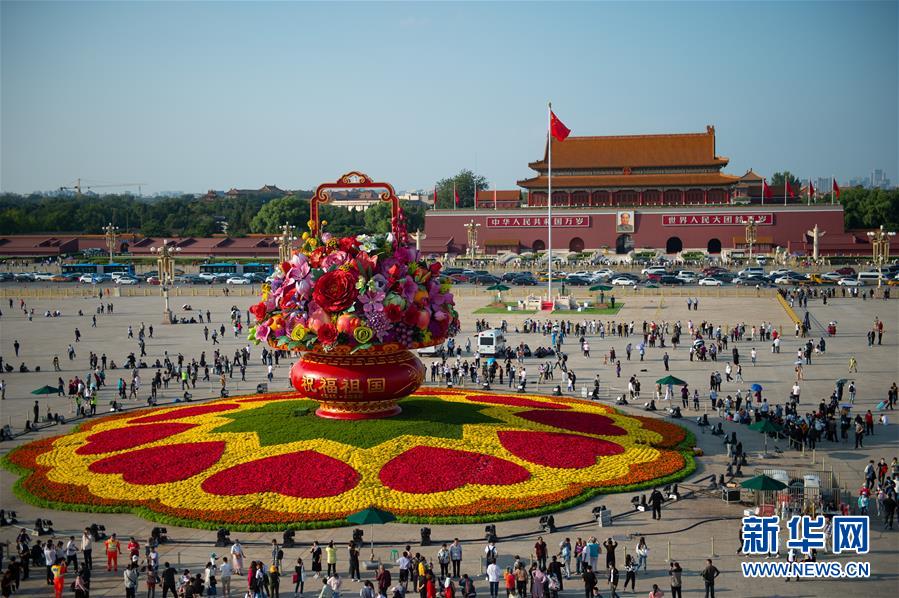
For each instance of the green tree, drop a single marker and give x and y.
(276, 212)
(465, 183)
(778, 179)
(869, 208)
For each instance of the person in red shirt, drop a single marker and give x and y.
(113, 550)
(133, 548)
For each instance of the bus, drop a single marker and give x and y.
(235, 269)
(87, 268)
(220, 268)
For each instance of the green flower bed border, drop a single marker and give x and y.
(684, 447)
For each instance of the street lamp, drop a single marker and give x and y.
(112, 233)
(880, 249)
(285, 242)
(472, 228)
(751, 227)
(166, 266)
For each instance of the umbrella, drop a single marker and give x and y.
(601, 287)
(842, 381)
(498, 287)
(371, 516)
(763, 482)
(765, 426)
(797, 362)
(756, 388)
(670, 380)
(45, 390)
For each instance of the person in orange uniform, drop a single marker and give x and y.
(113, 550)
(59, 576)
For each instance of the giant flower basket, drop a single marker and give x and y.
(354, 307)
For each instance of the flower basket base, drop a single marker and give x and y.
(364, 385)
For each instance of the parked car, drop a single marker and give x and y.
(710, 282)
(527, 279)
(623, 281)
(44, 276)
(484, 279)
(577, 281)
(237, 280)
(126, 280)
(671, 280)
(88, 278)
(24, 277)
(846, 271)
(64, 278)
(153, 280)
(850, 282)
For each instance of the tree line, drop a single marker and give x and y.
(186, 216)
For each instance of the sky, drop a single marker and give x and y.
(191, 96)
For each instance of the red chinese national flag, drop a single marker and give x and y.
(789, 189)
(455, 195)
(811, 188)
(766, 190)
(836, 188)
(557, 128)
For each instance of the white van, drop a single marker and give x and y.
(751, 271)
(491, 342)
(871, 277)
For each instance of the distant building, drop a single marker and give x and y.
(266, 191)
(749, 185)
(500, 200)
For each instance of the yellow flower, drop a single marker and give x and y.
(298, 333)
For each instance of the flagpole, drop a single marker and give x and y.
(454, 196)
(832, 185)
(763, 190)
(809, 192)
(494, 199)
(786, 182)
(549, 203)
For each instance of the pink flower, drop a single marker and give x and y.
(335, 259)
(262, 332)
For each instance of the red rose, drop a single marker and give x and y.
(336, 290)
(348, 244)
(393, 312)
(285, 267)
(327, 333)
(259, 311)
(411, 316)
(315, 258)
(435, 268)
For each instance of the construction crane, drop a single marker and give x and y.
(77, 187)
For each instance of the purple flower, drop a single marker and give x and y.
(410, 287)
(372, 301)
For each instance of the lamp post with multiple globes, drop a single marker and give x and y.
(166, 265)
(472, 228)
(112, 233)
(285, 242)
(880, 249)
(751, 227)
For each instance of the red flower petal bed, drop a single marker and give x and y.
(120, 439)
(425, 469)
(185, 412)
(512, 401)
(303, 474)
(558, 450)
(162, 464)
(585, 423)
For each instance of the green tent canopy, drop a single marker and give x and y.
(763, 482)
(45, 390)
(671, 380)
(371, 516)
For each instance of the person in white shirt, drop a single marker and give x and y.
(87, 548)
(493, 576)
(237, 553)
(225, 572)
(72, 553)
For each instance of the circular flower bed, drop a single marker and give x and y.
(263, 462)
